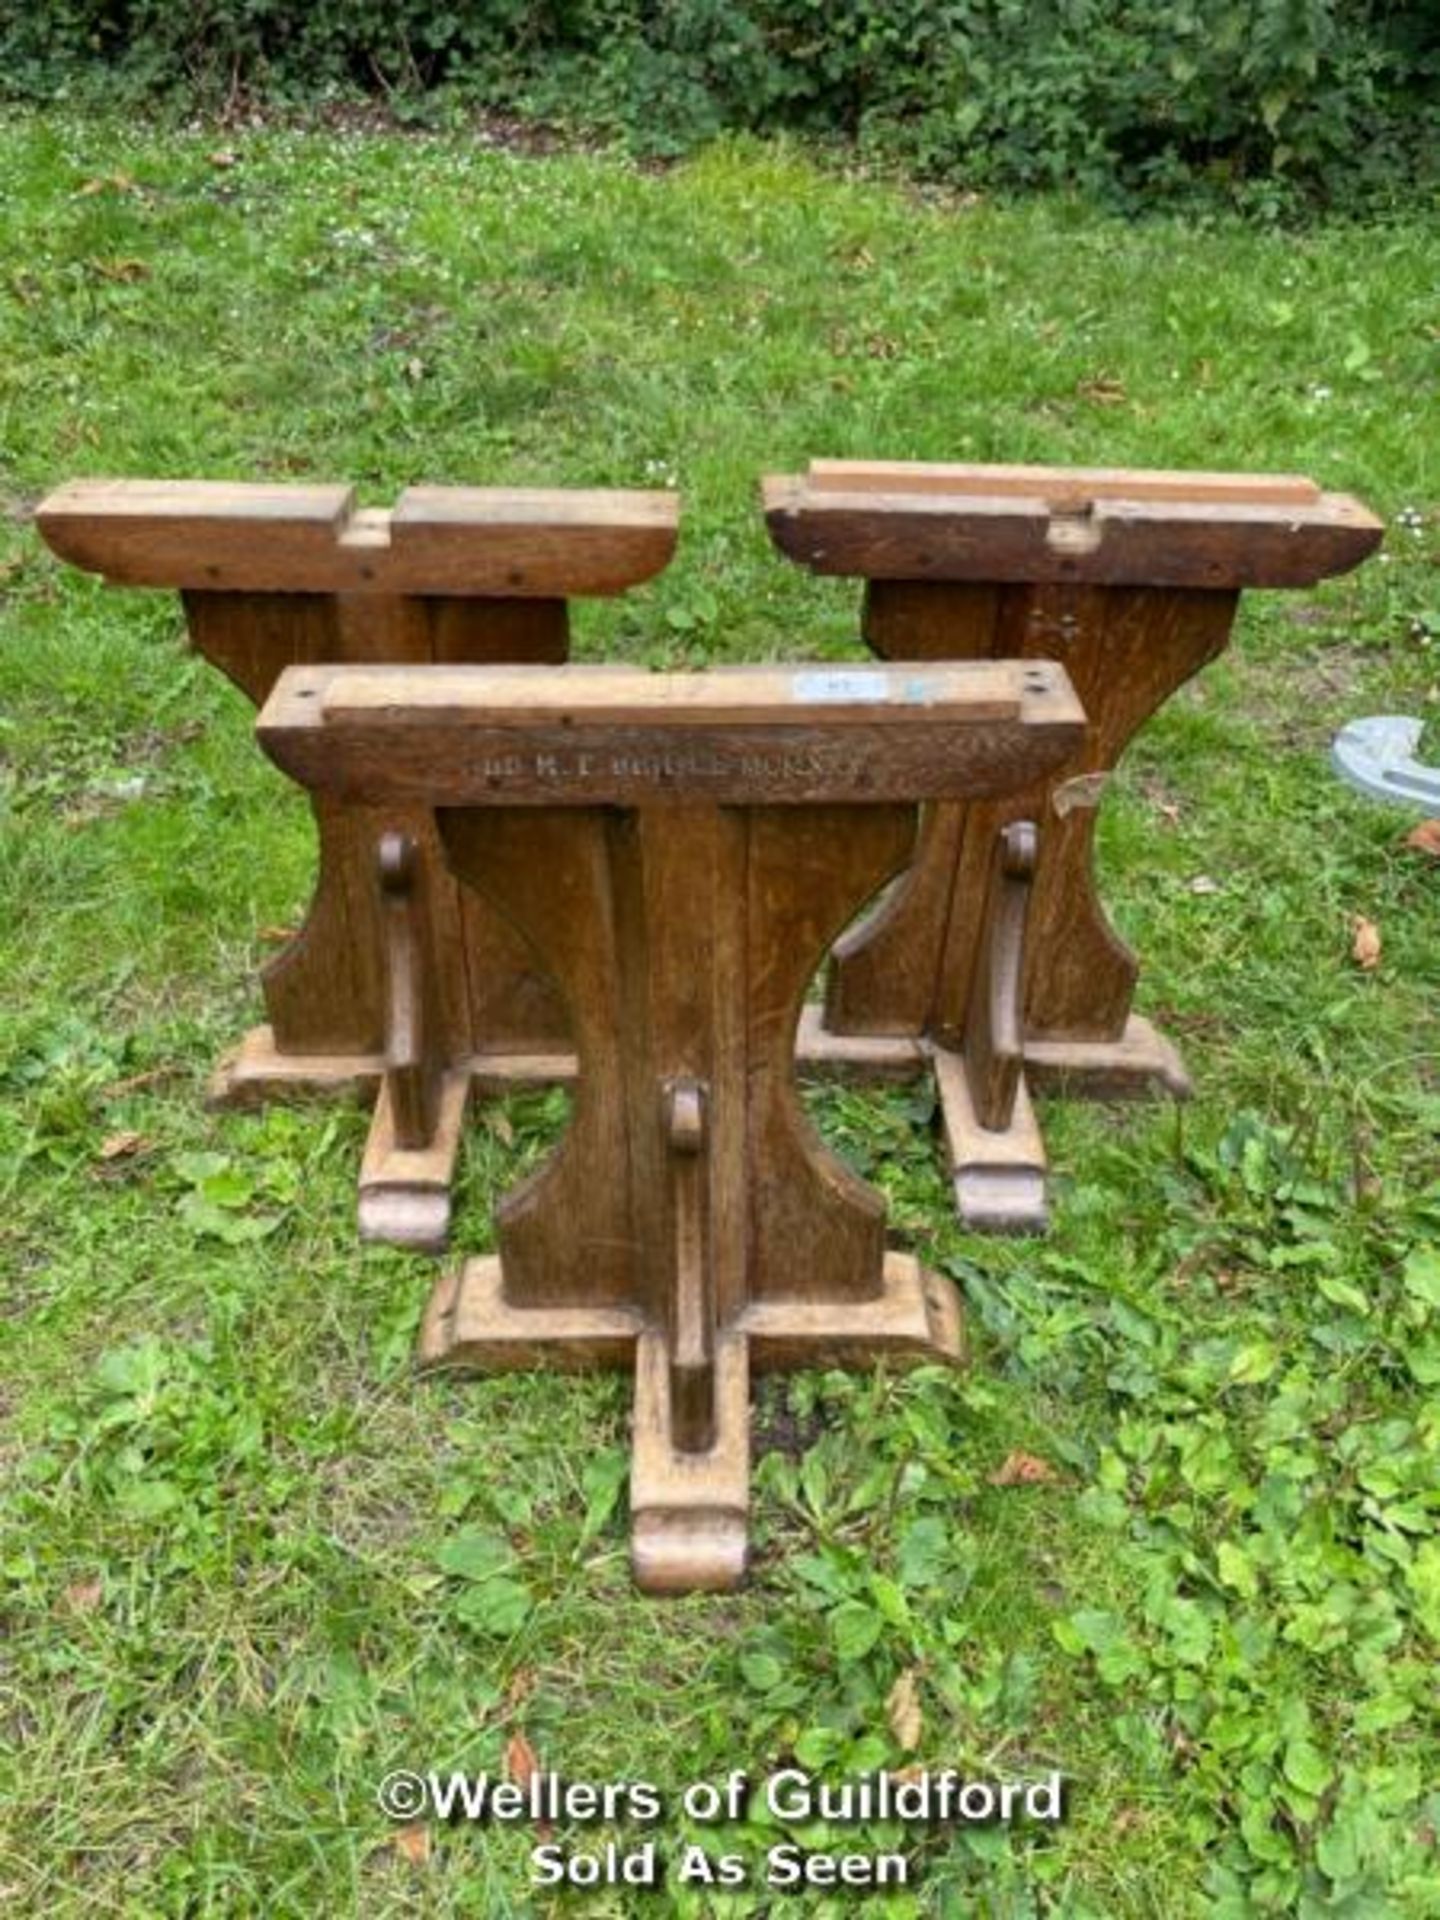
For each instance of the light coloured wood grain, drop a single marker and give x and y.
(1053, 484)
(689, 1506)
(470, 1324)
(834, 696)
(1137, 1065)
(913, 1318)
(222, 536)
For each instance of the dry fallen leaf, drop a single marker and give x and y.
(152, 1077)
(276, 936)
(1105, 390)
(1202, 883)
(122, 269)
(1425, 838)
(902, 1708)
(1365, 948)
(105, 183)
(521, 1765)
(83, 1596)
(224, 157)
(519, 1687)
(120, 1146)
(413, 1843)
(1019, 1469)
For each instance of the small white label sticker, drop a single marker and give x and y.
(840, 684)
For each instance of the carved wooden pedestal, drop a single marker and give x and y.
(678, 851)
(385, 970)
(1131, 579)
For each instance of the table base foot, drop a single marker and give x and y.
(405, 1191)
(998, 1174)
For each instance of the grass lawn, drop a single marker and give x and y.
(250, 1563)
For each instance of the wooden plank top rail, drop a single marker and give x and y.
(588, 736)
(1057, 484)
(721, 696)
(898, 520)
(220, 536)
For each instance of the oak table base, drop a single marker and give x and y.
(1131, 579)
(678, 852)
(275, 575)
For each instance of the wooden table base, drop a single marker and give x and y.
(678, 851)
(1132, 579)
(274, 575)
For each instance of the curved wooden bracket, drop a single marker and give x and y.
(413, 1063)
(994, 1027)
(415, 1134)
(692, 1331)
(997, 1157)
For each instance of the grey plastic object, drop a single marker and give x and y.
(1377, 755)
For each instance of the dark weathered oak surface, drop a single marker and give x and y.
(1102, 537)
(613, 736)
(1131, 579)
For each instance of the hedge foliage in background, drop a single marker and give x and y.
(1274, 102)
